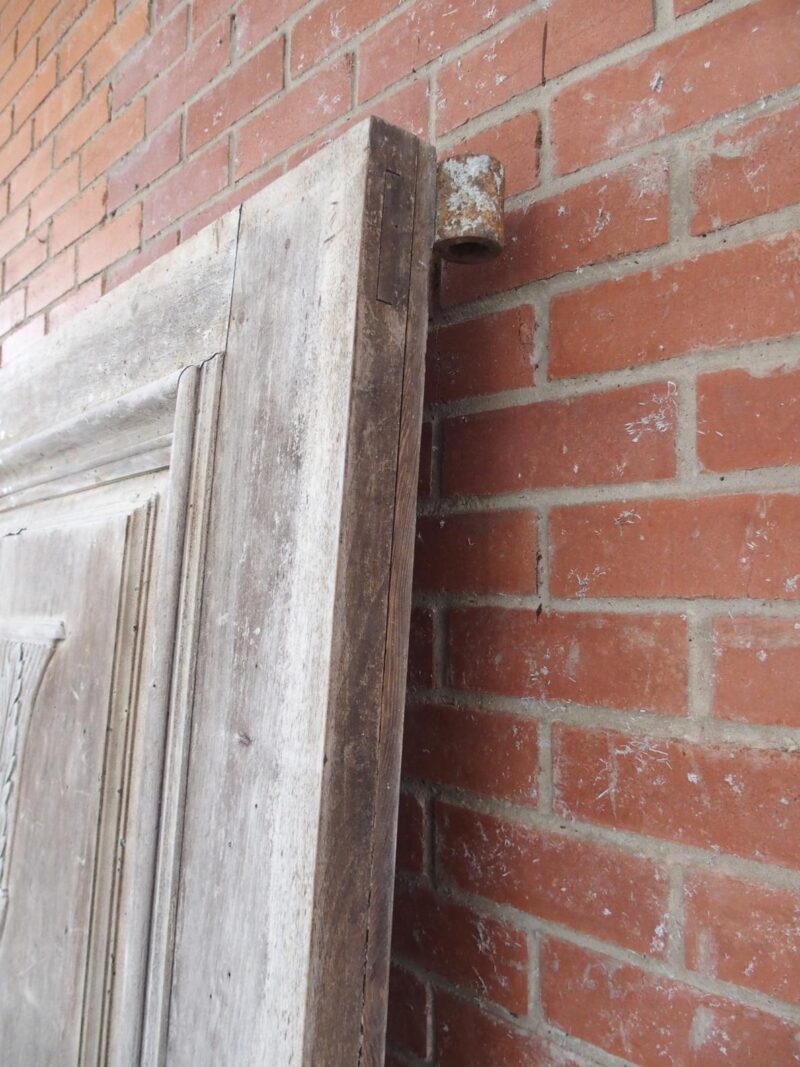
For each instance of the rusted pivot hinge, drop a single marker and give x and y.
(470, 190)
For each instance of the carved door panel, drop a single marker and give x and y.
(206, 529)
(63, 605)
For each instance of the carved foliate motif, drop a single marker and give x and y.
(22, 667)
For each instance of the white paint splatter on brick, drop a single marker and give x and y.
(644, 122)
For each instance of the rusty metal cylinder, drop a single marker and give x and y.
(470, 190)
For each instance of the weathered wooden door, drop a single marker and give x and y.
(207, 487)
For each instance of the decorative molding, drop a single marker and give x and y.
(180, 596)
(114, 417)
(121, 730)
(170, 425)
(117, 439)
(26, 646)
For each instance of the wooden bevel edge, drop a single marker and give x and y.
(351, 932)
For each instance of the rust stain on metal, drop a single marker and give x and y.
(470, 190)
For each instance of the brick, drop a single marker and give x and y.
(234, 197)
(23, 68)
(719, 797)
(683, 7)
(609, 217)
(12, 311)
(753, 658)
(425, 478)
(491, 74)
(109, 243)
(148, 161)
(8, 51)
(77, 130)
(126, 268)
(86, 32)
(70, 306)
(407, 1022)
(13, 230)
(468, 1037)
(66, 96)
(410, 834)
(296, 115)
(52, 282)
(421, 34)
(745, 545)
(55, 192)
(478, 552)
(747, 421)
(37, 89)
(206, 12)
(577, 33)
(117, 42)
(313, 146)
(115, 141)
(328, 25)
(596, 889)
(651, 1020)
(193, 71)
(79, 217)
(6, 124)
(25, 259)
(255, 20)
(646, 98)
(407, 108)
(517, 142)
(13, 11)
(472, 951)
(623, 436)
(30, 175)
(723, 298)
(14, 151)
(554, 656)
(421, 649)
(490, 753)
(481, 356)
(36, 13)
(162, 9)
(744, 933)
(63, 17)
(150, 59)
(191, 185)
(255, 81)
(17, 344)
(747, 172)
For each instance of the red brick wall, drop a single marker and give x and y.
(600, 824)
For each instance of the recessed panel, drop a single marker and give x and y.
(60, 608)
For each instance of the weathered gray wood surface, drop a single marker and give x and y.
(55, 797)
(206, 522)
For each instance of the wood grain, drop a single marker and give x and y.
(56, 848)
(364, 724)
(171, 315)
(207, 486)
(297, 712)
